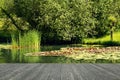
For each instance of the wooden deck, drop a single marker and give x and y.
(59, 71)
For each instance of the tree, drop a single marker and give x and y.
(69, 20)
(102, 9)
(112, 22)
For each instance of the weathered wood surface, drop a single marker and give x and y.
(59, 71)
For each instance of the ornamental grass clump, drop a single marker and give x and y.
(29, 40)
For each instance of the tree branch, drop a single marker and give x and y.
(9, 16)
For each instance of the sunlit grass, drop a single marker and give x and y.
(116, 38)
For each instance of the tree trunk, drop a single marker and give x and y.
(111, 32)
(111, 35)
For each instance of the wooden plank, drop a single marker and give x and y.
(38, 71)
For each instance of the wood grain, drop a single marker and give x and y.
(38, 71)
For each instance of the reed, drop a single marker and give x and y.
(25, 43)
(30, 39)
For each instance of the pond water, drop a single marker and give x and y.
(17, 55)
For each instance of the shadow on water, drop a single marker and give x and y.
(5, 55)
(50, 59)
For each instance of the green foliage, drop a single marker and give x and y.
(66, 20)
(102, 9)
(69, 20)
(25, 43)
(7, 5)
(1, 5)
(29, 40)
(105, 40)
(112, 19)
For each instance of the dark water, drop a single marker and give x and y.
(17, 55)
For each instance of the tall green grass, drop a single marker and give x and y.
(28, 40)
(25, 43)
(104, 40)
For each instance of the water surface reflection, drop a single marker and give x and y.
(17, 55)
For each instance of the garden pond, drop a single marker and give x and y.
(8, 55)
(61, 54)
